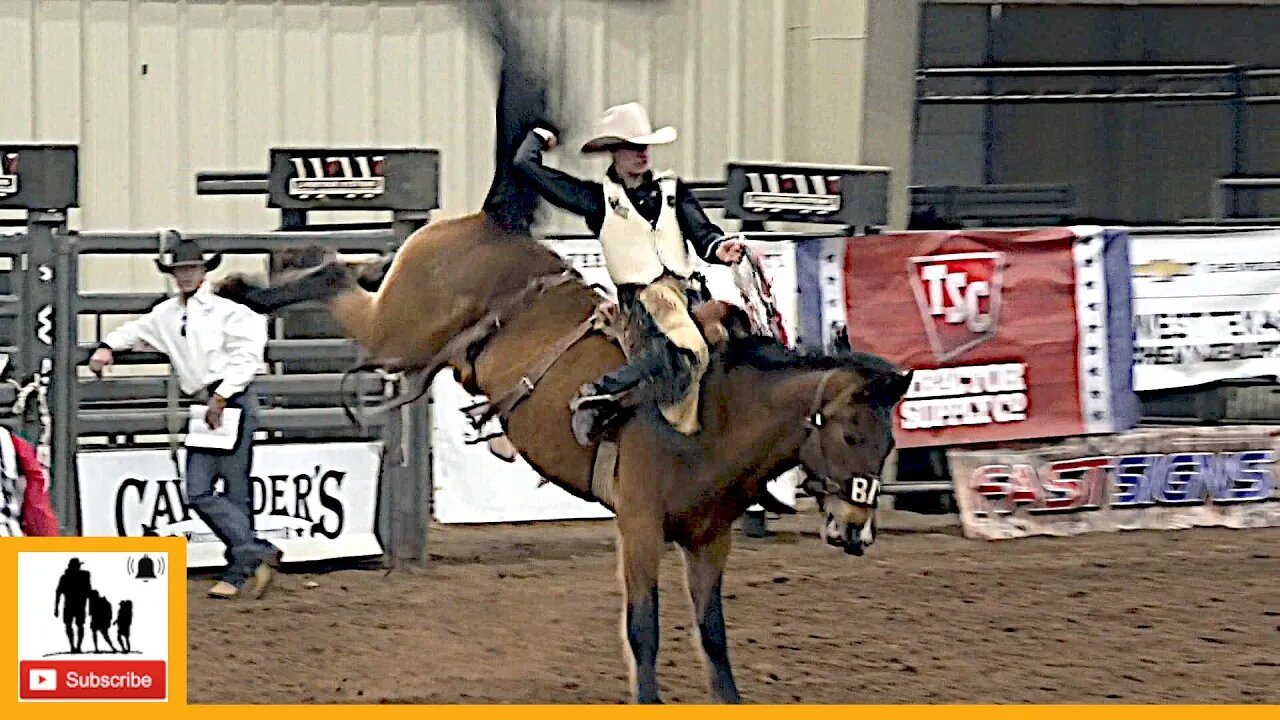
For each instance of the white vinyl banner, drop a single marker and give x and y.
(314, 501)
(474, 486)
(1206, 308)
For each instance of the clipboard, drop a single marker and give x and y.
(200, 435)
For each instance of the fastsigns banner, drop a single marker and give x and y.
(1206, 308)
(313, 501)
(1012, 334)
(474, 486)
(1164, 479)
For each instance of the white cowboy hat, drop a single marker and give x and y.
(626, 123)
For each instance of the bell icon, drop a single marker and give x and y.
(146, 569)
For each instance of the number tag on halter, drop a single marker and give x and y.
(864, 491)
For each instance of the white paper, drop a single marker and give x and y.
(200, 435)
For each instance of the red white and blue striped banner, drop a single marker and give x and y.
(1013, 335)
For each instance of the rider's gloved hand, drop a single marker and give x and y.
(730, 251)
(549, 139)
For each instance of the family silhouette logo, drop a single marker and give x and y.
(97, 624)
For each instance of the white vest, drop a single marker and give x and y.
(635, 251)
(13, 487)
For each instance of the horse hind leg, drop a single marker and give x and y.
(369, 275)
(704, 568)
(320, 283)
(333, 283)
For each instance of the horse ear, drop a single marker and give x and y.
(889, 387)
(902, 383)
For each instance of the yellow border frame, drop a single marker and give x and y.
(177, 706)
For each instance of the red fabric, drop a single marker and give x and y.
(38, 519)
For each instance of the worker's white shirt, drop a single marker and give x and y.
(224, 341)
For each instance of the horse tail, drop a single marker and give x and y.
(524, 89)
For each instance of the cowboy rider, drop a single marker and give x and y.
(643, 220)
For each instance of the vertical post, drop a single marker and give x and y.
(755, 523)
(390, 490)
(64, 400)
(413, 509)
(1239, 110)
(38, 346)
(44, 181)
(990, 52)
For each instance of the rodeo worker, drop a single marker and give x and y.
(215, 347)
(642, 219)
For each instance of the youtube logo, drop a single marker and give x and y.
(42, 679)
(93, 680)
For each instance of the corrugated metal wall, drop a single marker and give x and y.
(155, 90)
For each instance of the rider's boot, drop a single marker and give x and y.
(596, 407)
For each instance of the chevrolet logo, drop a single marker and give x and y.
(1163, 270)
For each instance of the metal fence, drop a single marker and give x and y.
(71, 410)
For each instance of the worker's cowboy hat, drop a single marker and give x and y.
(184, 252)
(626, 124)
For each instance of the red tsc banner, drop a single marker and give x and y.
(1012, 334)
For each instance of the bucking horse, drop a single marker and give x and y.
(480, 295)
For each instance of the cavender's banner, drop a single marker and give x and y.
(1164, 479)
(1012, 334)
(314, 501)
(1206, 308)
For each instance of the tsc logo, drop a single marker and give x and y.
(359, 176)
(959, 299)
(772, 192)
(8, 174)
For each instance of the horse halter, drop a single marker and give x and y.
(861, 491)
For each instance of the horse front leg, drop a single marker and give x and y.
(641, 557)
(704, 567)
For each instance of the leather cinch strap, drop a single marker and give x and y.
(525, 386)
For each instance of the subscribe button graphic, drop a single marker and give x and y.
(92, 680)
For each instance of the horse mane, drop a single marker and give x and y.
(769, 355)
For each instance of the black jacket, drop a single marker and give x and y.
(586, 198)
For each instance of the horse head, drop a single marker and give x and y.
(849, 437)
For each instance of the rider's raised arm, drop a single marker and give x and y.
(580, 197)
(697, 228)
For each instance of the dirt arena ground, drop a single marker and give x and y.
(529, 614)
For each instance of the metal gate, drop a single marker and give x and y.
(299, 402)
